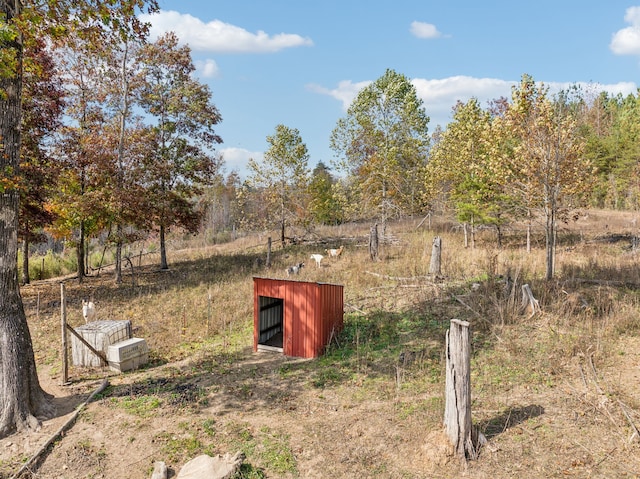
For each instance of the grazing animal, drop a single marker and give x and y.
(317, 258)
(295, 269)
(334, 253)
(88, 310)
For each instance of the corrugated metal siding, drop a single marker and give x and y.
(312, 311)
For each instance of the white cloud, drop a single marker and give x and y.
(207, 68)
(237, 159)
(219, 37)
(424, 30)
(345, 92)
(441, 95)
(627, 40)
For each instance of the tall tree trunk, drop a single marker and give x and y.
(163, 250)
(473, 233)
(119, 261)
(465, 230)
(282, 220)
(550, 240)
(23, 400)
(25, 256)
(384, 209)
(528, 231)
(80, 253)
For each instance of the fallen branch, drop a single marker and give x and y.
(356, 309)
(397, 278)
(624, 408)
(60, 431)
(466, 306)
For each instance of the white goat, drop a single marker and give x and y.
(88, 310)
(317, 258)
(334, 253)
(295, 269)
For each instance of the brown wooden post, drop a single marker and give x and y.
(269, 252)
(457, 408)
(209, 300)
(436, 255)
(65, 347)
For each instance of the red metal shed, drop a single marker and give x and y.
(297, 318)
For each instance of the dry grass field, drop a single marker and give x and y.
(557, 394)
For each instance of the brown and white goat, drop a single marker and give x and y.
(335, 253)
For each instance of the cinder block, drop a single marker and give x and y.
(100, 335)
(127, 355)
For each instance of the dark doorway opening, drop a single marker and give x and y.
(270, 323)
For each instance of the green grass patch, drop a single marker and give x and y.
(142, 406)
(275, 451)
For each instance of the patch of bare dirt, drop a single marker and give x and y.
(573, 429)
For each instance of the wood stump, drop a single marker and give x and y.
(373, 243)
(436, 255)
(457, 408)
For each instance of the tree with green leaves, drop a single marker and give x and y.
(383, 143)
(21, 22)
(284, 176)
(548, 171)
(183, 160)
(615, 149)
(325, 205)
(461, 164)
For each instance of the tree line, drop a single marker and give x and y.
(118, 140)
(534, 156)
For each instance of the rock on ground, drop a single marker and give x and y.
(207, 467)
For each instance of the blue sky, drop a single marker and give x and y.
(300, 63)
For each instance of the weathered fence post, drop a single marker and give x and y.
(65, 347)
(457, 406)
(269, 252)
(373, 243)
(436, 255)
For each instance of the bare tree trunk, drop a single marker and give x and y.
(282, 220)
(23, 399)
(80, 253)
(436, 256)
(118, 238)
(466, 234)
(269, 252)
(25, 257)
(118, 276)
(550, 227)
(473, 234)
(373, 243)
(163, 250)
(529, 232)
(457, 412)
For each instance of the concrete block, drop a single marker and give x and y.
(127, 355)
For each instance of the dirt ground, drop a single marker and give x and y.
(581, 424)
(571, 430)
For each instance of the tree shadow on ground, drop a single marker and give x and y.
(508, 418)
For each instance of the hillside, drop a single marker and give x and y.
(556, 394)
